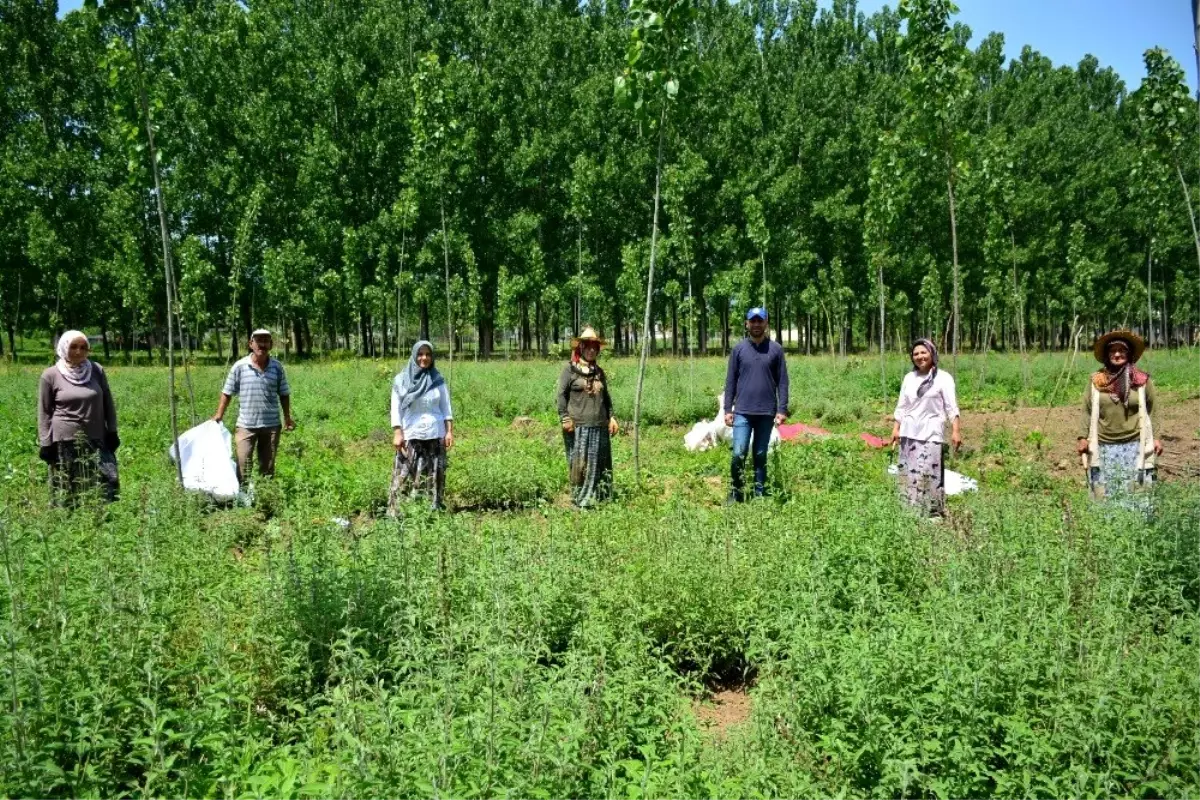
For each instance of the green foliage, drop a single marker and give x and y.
(1033, 643)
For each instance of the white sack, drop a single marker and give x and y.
(207, 464)
(956, 483)
(705, 435)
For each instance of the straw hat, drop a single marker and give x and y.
(1136, 344)
(588, 335)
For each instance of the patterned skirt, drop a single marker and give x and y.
(922, 476)
(418, 469)
(589, 463)
(83, 466)
(1118, 479)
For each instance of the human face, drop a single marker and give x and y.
(261, 345)
(77, 351)
(589, 350)
(424, 358)
(1118, 354)
(757, 327)
(921, 358)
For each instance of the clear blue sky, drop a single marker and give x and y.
(1116, 32)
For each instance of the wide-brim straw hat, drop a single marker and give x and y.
(588, 334)
(1136, 344)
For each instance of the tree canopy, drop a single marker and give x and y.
(358, 173)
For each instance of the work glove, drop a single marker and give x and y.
(48, 453)
(111, 441)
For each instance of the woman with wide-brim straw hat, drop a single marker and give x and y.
(1117, 435)
(585, 409)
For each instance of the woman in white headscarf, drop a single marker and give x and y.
(77, 423)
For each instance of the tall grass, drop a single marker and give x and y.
(1035, 645)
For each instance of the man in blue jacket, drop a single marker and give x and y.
(756, 400)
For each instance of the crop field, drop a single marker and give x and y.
(820, 642)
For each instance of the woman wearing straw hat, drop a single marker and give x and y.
(77, 424)
(1117, 436)
(585, 408)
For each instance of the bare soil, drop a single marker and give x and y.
(1176, 421)
(722, 711)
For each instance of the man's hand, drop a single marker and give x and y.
(612, 426)
(1157, 447)
(568, 424)
(398, 439)
(449, 440)
(1082, 446)
(289, 424)
(728, 419)
(779, 418)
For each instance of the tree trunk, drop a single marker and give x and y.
(166, 246)
(1187, 195)
(449, 304)
(953, 248)
(425, 320)
(646, 332)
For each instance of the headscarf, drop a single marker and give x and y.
(412, 382)
(1117, 382)
(926, 384)
(77, 375)
(590, 371)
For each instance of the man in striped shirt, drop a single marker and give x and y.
(261, 386)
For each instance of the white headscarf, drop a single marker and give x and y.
(76, 375)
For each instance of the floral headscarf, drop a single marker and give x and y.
(1118, 382)
(926, 384)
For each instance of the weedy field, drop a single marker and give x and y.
(821, 642)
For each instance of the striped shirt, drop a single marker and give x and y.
(258, 391)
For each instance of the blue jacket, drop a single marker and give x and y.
(757, 379)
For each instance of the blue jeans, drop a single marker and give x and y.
(745, 425)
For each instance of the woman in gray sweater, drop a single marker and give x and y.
(585, 410)
(77, 424)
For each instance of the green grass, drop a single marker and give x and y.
(1035, 645)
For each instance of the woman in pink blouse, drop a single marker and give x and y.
(927, 400)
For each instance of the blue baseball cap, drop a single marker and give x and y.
(757, 311)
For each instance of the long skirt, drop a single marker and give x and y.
(83, 466)
(1118, 479)
(922, 476)
(589, 462)
(419, 469)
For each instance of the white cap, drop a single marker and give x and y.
(261, 332)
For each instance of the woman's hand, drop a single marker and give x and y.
(895, 438)
(398, 439)
(568, 424)
(1081, 446)
(956, 439)
(449, 440)
(1157, 447)
(612, 426)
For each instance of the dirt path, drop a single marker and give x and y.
(1176, 421)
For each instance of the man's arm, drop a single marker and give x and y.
(781, 409)
(731, 384)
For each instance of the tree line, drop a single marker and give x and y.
(358, 174)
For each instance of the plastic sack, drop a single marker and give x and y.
(956, 482)
(207, 464)
(707, 434)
